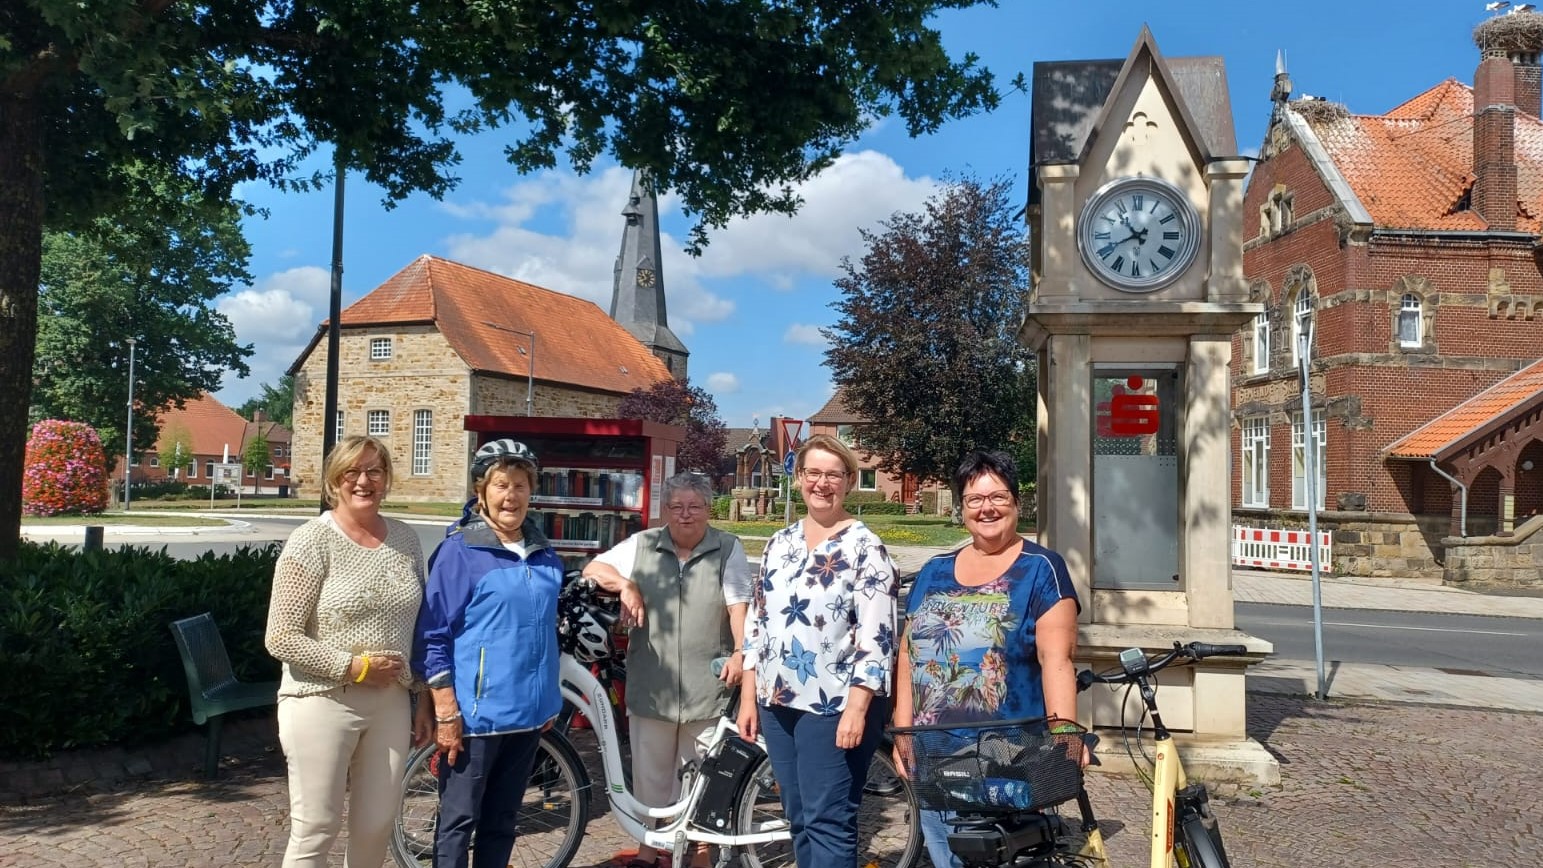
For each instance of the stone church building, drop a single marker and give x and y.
(440, 340)
(1410, 243)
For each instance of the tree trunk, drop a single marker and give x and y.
(21, 256)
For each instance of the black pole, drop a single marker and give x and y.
(329, 423)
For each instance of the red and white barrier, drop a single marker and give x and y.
(1279, 549)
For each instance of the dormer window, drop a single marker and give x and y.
(380, 349)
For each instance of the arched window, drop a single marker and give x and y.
(1411, 321)
(1301, 314)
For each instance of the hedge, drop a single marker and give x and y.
(86, 647)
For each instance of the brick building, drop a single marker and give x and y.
(213, 433)
(847, 426)
(440, 340)
(1412, 239)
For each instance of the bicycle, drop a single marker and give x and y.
(729, 797)
(1005, 779)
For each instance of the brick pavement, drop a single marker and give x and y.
(1363, 785)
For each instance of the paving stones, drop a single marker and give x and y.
(1363, 785)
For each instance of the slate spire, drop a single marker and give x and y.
(637, 298)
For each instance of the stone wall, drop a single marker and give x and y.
(504, 396)
(1374, 545)
(1512, 561)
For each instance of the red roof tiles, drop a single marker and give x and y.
(482, 315)
(1453, 426)
(1412, 167)
(212, 426)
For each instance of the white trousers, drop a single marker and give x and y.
(354, 739)
(658, 749)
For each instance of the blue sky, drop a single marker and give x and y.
(750, 308)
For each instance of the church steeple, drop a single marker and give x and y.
(637, 299)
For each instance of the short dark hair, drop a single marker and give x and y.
(981, 462)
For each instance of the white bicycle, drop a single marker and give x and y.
(729, 798)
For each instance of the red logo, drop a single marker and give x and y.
(1127, 413)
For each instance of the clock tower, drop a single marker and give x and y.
(1135, 217)
(637, 294)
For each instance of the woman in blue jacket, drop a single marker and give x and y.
(486, 644)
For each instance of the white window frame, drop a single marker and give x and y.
(155, 461)
(209, 468)
(377, 423)
(848, 434)
(193, 469)
(1255, 461)
(873, 479)
(380, 349)
(423, 442)
(337, 431)
(1301, 309)
(1262, 343)
(1298, 455)
(1411, 309)
(270, 471)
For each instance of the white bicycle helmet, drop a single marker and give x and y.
(591, 640)
(497, 451)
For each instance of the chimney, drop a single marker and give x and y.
(1529, 81)
(1494, 140)
(259, 417)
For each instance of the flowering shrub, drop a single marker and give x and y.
(66, 471)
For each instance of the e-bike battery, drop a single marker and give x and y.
(724, 771)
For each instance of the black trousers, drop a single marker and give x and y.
(480, 797)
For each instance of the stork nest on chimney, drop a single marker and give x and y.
(1521, 33)
(1317, 110)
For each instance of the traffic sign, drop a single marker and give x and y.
(788, 461)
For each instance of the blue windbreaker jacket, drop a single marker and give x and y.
(488, 626)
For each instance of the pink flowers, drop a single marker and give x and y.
(65, 470)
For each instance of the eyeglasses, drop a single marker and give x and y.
(374, 474)
(833, 476)
(997, 499)
(686, 508)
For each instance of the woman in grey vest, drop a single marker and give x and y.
(684, 590)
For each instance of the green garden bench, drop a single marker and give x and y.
(213, 690)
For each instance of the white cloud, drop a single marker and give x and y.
(803, 333)
(277, 315)
(722, 383)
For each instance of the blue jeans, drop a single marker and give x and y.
(935, 831)
(821, 784)
(480, 798)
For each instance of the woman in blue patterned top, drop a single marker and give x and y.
(990, 630)
(820, 647)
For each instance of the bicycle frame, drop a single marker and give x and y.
(588, 695)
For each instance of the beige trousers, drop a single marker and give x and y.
(658, 749)
(354, 739)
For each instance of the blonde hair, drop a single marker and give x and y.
(827, 443)
(342, 457)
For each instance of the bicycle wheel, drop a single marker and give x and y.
(888, 827)
(552, 819)
(1200, 844)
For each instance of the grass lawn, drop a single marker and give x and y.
(108, 519)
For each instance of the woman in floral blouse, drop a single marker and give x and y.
(820, 639)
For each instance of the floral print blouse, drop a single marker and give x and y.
(822, 621)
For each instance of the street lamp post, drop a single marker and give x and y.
(530, 372)
(128, 429)
(1310, 487)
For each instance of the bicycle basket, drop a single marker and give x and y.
(995, 766)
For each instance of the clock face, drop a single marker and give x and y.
(1138, 234)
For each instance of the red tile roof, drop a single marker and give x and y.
(835, 412)
(211, 425)
(482, 315)
(1452, 427)
(1412, 166)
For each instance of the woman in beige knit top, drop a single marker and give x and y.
(346, 592)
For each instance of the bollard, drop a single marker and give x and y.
(93, 538)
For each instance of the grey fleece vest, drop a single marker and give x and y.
(686, 625)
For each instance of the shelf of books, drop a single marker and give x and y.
(600, 480)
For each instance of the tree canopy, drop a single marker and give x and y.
(726, 104)
(155, 282)
(277, 402)
(677, 402)
(925, 348)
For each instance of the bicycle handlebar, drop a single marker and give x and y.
(1135, 665)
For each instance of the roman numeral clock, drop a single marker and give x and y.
(1138, 234)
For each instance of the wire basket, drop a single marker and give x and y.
(993, 766)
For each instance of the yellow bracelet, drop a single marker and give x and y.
(364, 670)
